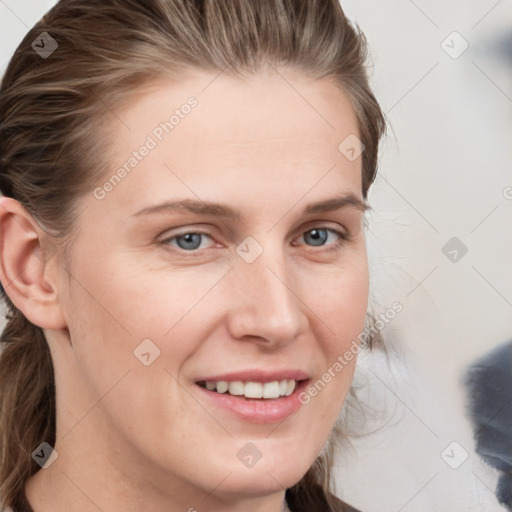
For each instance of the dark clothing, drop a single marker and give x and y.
(489, 386)
(317, 496)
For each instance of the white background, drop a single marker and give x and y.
(444, 168)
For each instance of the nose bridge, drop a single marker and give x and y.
(268, 306)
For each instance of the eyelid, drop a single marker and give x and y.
(343, 237)
(322, 224)
(173, 236)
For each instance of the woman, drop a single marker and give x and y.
(182, 253)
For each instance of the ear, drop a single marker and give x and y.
(27, 276)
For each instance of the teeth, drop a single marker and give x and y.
(222, 386)
(235, 388)
(273, 389)
(253, 390)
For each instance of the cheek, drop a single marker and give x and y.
(342, 308)
(343, 302)
(141, 299)
(353, 302)
(115, 306)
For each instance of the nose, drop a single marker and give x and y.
(268, 307)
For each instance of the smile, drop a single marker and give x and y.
(264, 390)
(254, 397)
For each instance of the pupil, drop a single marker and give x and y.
(318, 236)
(191, 241)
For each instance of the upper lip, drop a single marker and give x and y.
(257, 376)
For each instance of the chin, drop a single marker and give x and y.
(270, 474)
(255, 483)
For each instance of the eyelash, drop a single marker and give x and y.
(342, 239)
(336, 246)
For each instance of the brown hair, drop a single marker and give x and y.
(51, 114)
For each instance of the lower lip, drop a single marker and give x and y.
(257, 410)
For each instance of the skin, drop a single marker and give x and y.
(132, 437)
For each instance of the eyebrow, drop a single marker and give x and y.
(347, 200)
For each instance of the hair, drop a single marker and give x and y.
(53, 112)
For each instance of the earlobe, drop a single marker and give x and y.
(25, 253)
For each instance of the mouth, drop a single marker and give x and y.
(252, 390)
(254, 401)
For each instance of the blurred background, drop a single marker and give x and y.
(439, 239)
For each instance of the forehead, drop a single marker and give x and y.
(276, 130)
(244, 110)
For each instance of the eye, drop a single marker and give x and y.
(318, 236)
(193, 241)
(190, 241)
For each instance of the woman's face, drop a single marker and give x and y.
(214, 257)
